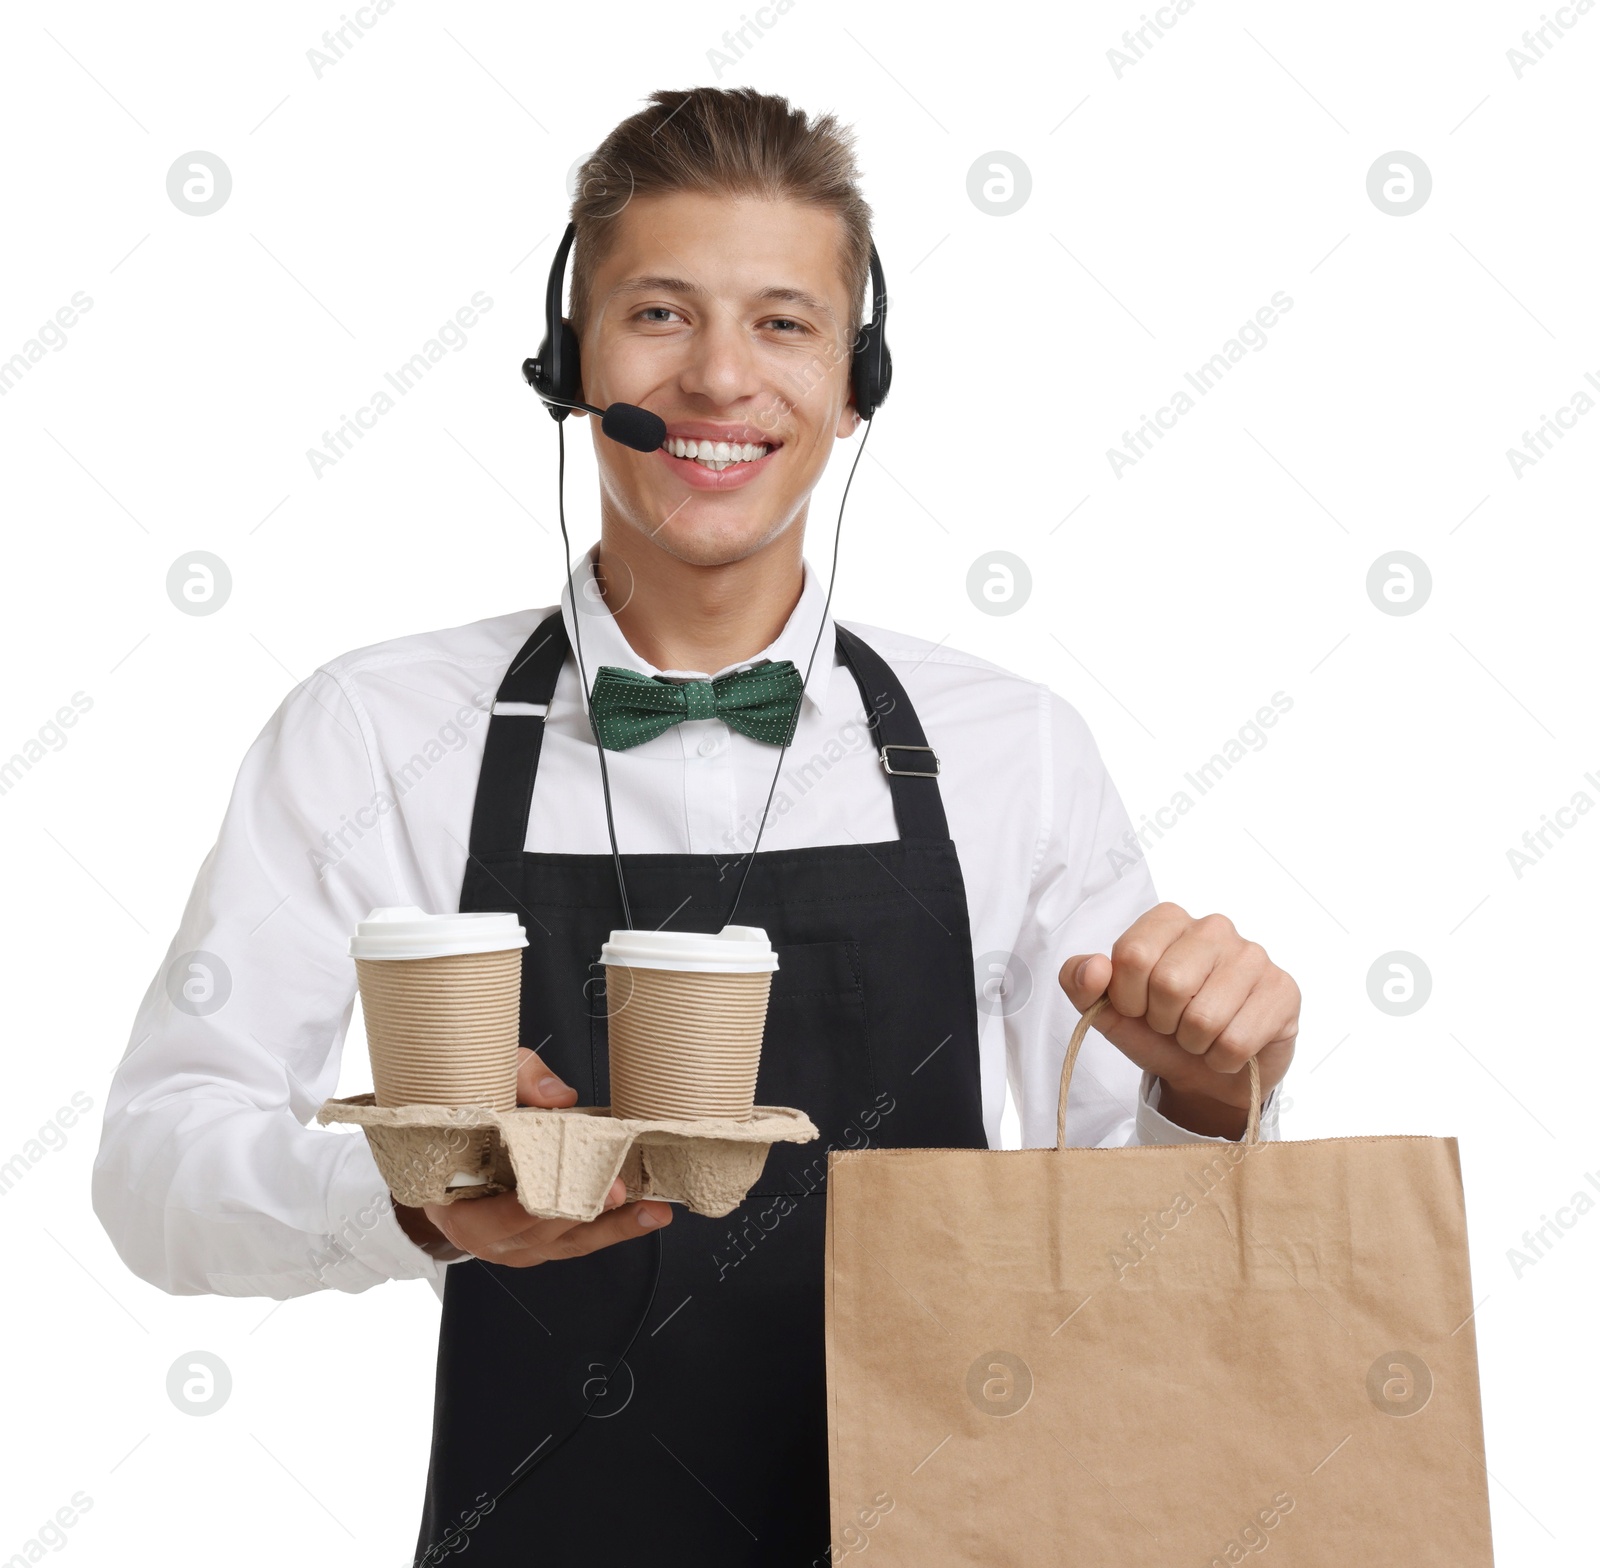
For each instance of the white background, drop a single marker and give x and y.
(1167, 206)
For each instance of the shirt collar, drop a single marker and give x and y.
(603, 642)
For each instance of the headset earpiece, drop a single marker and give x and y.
(871, 368)
(555, 372)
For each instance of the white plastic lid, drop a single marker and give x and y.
(404, 931)
(742, 950)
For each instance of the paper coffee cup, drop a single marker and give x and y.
(441, 995)
(685, 1011)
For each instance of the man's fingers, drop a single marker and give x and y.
(1215, 1005)
(483, 1225)
(632, 1219)
(537, 1085)
(1136, 953)
(1189, 966)
(627, 1223)
(500, 1230)
(1083, 977)
(1268, 1015)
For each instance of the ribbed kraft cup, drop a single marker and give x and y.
(443, 1031)
(684, 1045)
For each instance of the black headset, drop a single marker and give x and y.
(555, 374)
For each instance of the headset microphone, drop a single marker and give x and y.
(626, 423)
(634, 426)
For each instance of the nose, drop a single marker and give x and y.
(722, 367)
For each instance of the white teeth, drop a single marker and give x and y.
(716, 455)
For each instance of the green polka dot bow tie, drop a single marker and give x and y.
(762, 702)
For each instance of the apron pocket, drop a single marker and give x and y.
(815, 1056)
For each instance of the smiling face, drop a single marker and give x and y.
(730, 318)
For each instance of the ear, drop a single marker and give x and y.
(849, 419)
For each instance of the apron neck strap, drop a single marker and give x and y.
(516, 736)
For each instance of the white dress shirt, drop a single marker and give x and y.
(359, 792)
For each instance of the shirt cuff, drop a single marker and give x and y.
(1153, 1127)
(366, 1243)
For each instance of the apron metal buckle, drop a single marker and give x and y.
(915, 773)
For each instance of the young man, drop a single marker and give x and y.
(936, 929)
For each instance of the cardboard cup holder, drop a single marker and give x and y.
(561, 1163)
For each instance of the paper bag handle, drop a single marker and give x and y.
(1252, 1131)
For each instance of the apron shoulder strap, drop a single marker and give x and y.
(903, 749)
(511, 748)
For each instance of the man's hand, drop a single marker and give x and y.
(1192, 1001)
(500, 1230)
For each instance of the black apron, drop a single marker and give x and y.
(710, 1443)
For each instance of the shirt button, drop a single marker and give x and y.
(710, 746)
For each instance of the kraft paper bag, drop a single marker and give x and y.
(1176, 1355)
